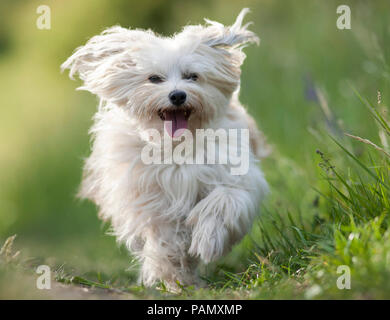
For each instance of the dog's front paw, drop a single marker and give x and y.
(210, 234)
(209, 242)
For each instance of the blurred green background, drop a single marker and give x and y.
(44, 121)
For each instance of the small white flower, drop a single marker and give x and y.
(313, 291)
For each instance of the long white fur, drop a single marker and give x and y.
(169, 216)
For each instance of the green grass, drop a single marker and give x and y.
(307, 85)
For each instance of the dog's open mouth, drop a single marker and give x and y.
(175, 121)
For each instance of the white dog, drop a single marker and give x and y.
(172, 215)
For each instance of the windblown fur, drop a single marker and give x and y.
(170, 216)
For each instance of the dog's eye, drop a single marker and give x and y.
(155, 79)
(191, 76)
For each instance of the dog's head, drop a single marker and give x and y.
(187, 79)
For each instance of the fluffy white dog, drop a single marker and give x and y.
(170, 215)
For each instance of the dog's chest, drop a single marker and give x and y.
(184, 185)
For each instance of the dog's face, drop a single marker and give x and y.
(176, 83)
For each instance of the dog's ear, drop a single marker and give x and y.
(105, 61)
(224, 45)
(234, 37)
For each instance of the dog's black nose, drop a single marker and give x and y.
(177, 97)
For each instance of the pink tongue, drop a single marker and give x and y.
(175, 123)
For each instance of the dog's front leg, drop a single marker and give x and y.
(220, 220)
